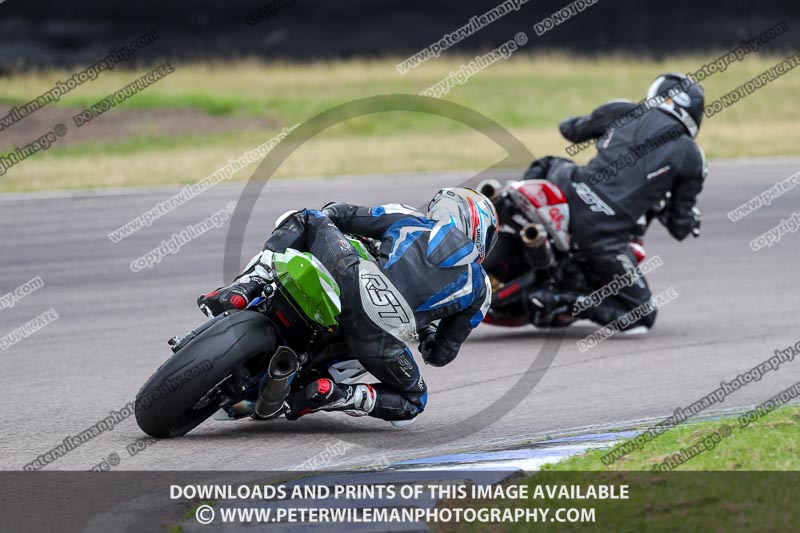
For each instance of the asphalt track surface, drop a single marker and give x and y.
(735, 307)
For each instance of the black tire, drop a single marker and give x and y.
(167, 404)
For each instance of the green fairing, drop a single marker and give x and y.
(361, 250)
(309, 284)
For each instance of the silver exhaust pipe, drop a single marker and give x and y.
(535, 246)
(490, 189)
(533, 235)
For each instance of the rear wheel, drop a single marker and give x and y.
(189, 387)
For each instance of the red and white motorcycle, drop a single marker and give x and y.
(535, 250)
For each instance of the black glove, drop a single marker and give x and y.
(427, 341)
(681, 227)
(567, 128)
(538, 169)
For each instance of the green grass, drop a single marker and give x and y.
(143, 143)
(151, 99)
(745, 483)
(529, 94)
(770, 443)
(522, 92)
(673, 501)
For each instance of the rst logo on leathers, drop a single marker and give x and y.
(383, 298)
(384, 304)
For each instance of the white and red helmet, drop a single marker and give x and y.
(471, 212)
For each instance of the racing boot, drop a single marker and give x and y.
(325, 395)
(247, 286)
(551, 309)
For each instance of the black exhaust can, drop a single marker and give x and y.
(275, 387)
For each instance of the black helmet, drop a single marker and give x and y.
(680, 96)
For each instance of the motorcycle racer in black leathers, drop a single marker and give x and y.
(642, 157)
(428, 269)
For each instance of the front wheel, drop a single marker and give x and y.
(186, 389)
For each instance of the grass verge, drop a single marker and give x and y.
(528, 94)
(671, 501)
(745, 482)
(772, 442)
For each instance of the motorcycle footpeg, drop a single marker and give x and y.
(236, 411)
(174, 342)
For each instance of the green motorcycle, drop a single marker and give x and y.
(245, 363)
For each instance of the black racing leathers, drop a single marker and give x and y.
(636, 165)
(419, 277)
